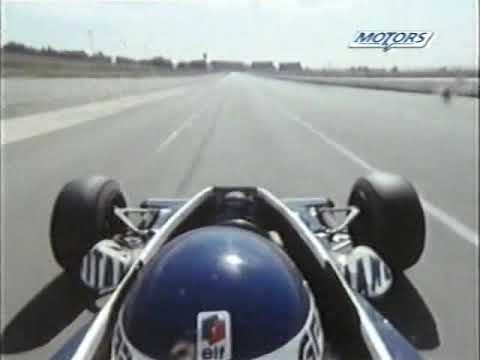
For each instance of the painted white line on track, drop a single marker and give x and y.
(340, 148)
(458, 227)
(21, 128)
(173, 135)
(182, 127)
(440, 215)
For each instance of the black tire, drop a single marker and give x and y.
(391, 219)
(82, 216)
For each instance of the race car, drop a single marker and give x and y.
(237, 273)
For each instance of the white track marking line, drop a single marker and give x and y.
(174, 135)
(21, 128)
(179, 130)
(458, 227)
(451, 222)
(340, 148)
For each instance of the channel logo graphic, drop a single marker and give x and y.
(214, 336)
(391, 39)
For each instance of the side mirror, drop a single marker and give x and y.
(366, 272)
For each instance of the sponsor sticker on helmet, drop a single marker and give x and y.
(214, 339)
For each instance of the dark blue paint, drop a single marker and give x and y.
(397, 345)
(67, 351)
(263, 293)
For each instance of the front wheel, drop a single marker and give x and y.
(391, 219)
(83, 214)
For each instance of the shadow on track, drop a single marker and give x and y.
(61, 302)
(408, 313)
(56, 306)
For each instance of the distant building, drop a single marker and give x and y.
(227, 65)
(290, 66)
(182, 65)
(192, 65)
(263, 65)
(198, 65)
(161, 63)
(98, 57)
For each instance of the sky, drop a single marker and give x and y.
(315, 32)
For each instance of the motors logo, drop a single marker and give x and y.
(214, 336)
(391, 39)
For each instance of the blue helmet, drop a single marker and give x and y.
(222, 293)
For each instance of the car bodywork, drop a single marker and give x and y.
(353, 328)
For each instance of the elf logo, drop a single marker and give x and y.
(214, 336)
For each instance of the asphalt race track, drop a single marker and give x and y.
(176, 136)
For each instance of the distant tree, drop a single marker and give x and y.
(443, 69)
(124, 60)
(18, 48)
(394, 69)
